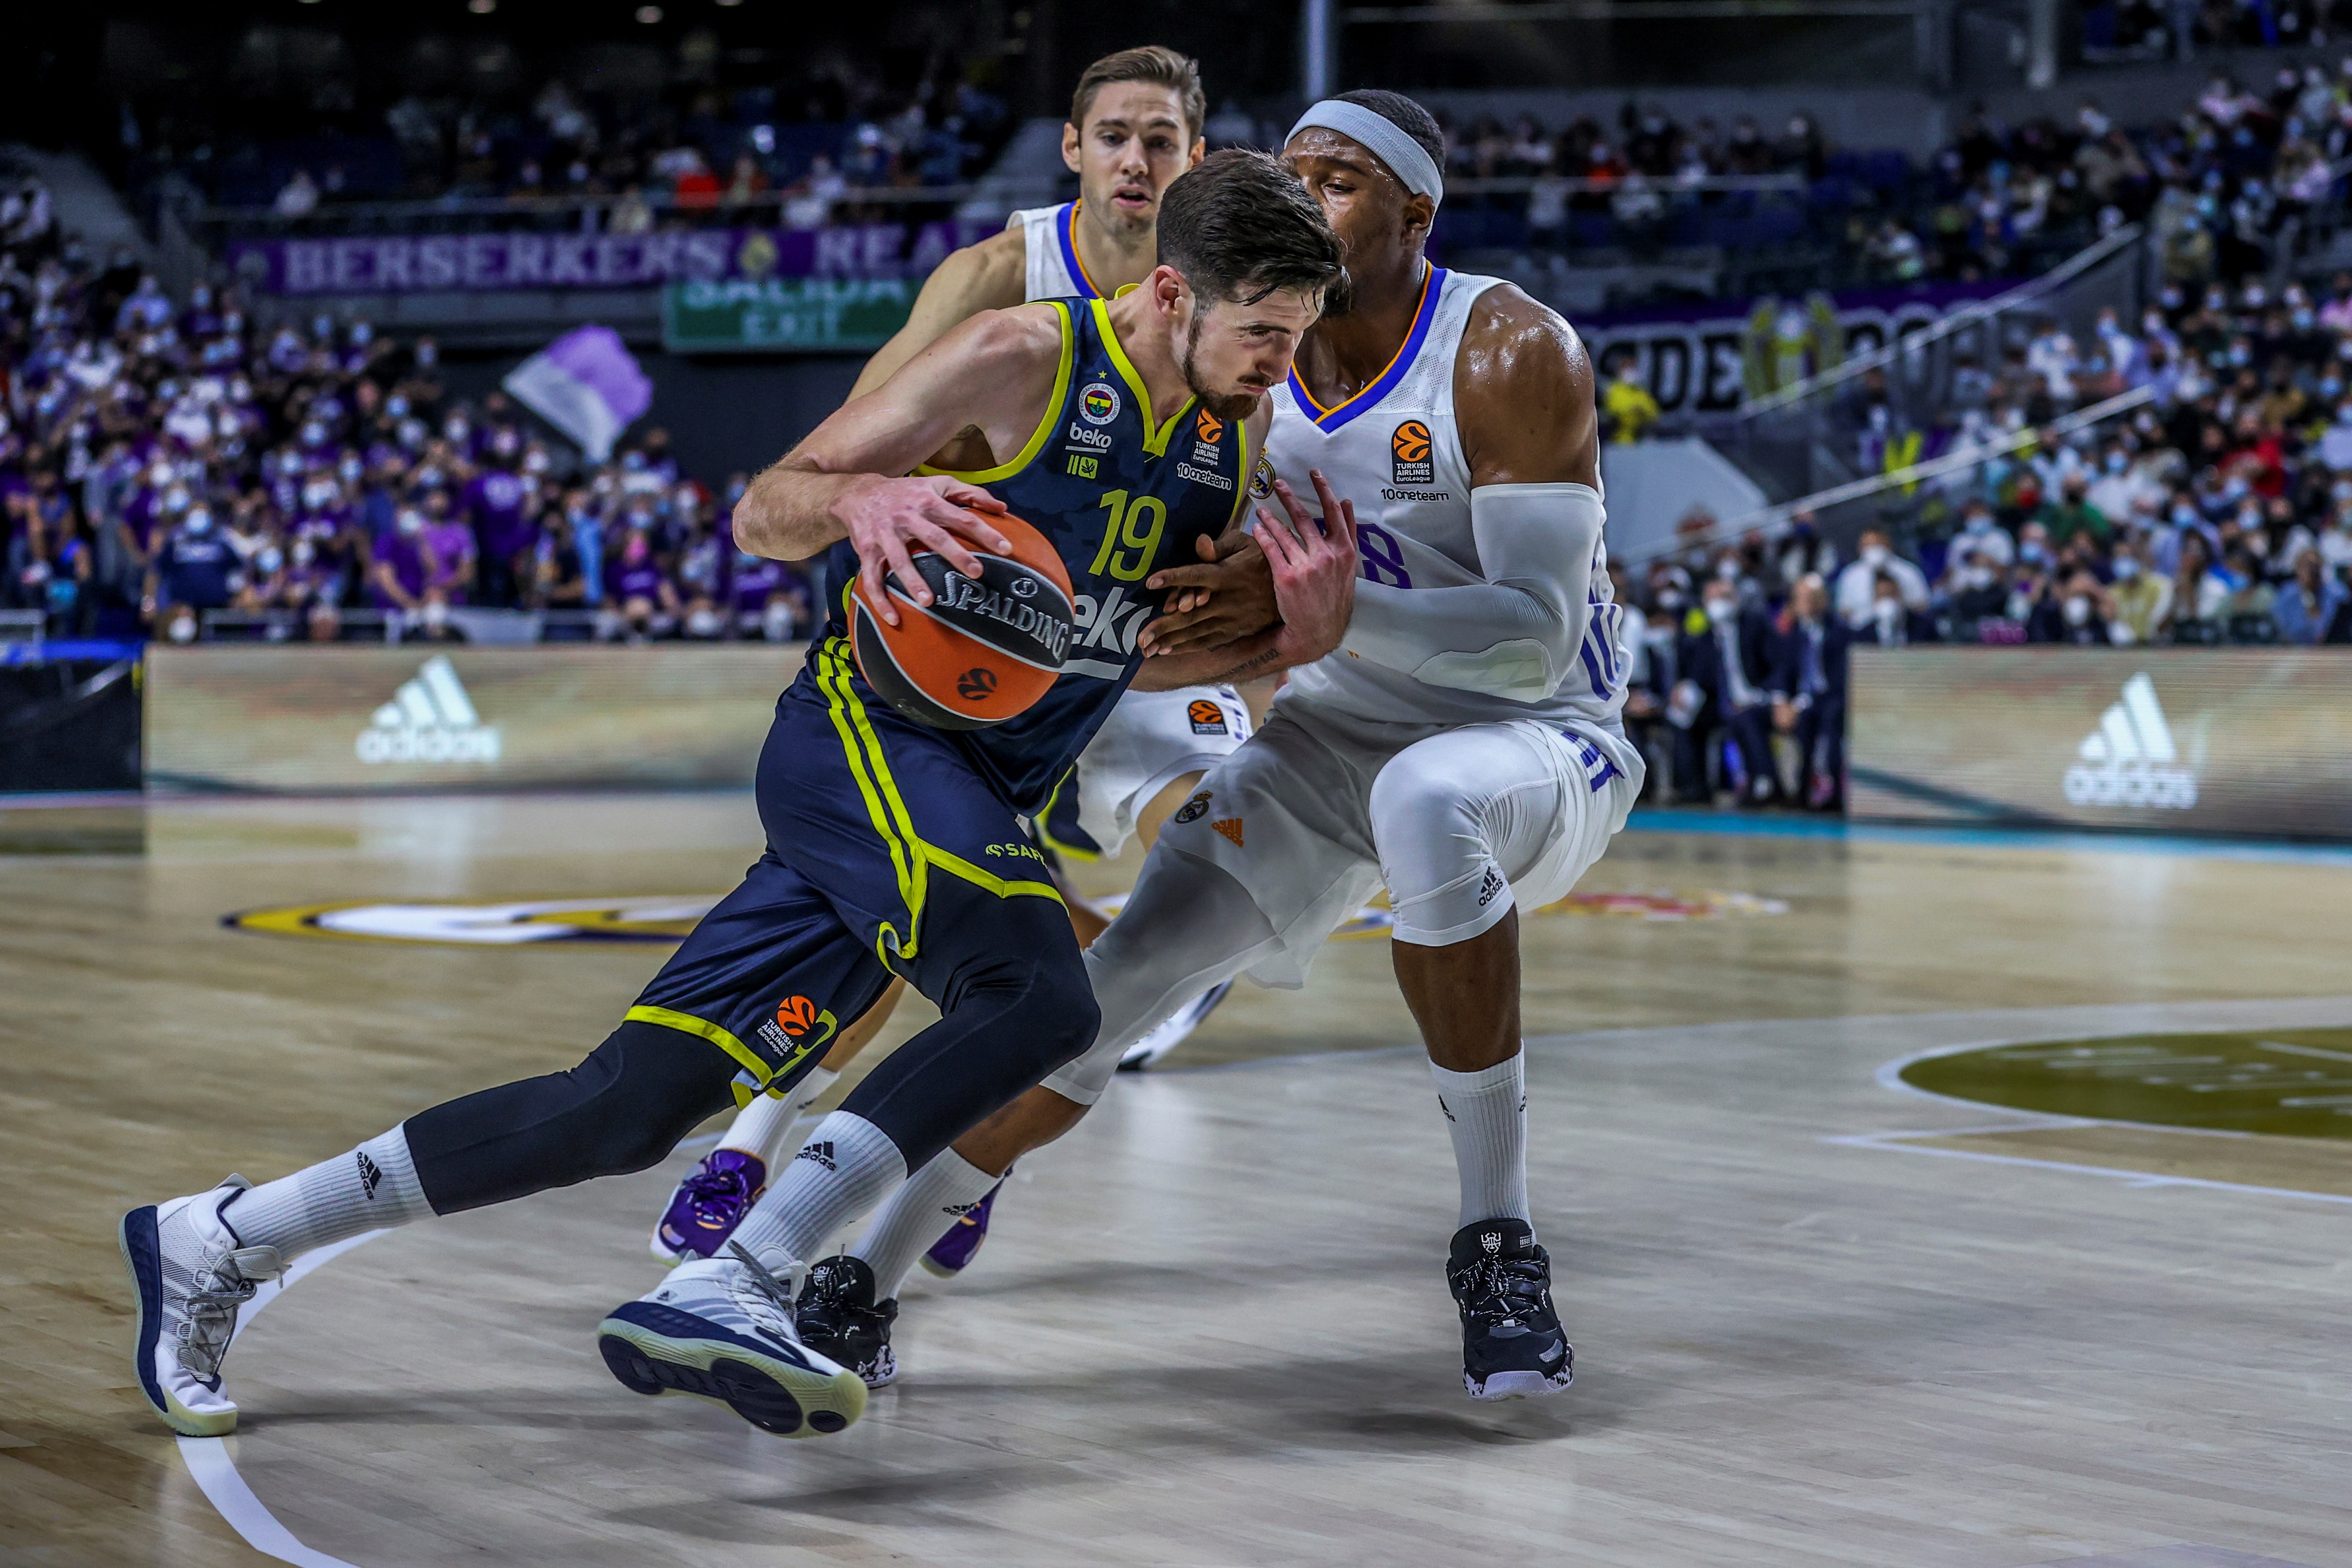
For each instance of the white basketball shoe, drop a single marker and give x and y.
(191, 1274)
(721, 1328)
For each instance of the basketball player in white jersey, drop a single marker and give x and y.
(1134, 126)
(1462, 745)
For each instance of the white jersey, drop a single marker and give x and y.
(1054, 271)
(1395, 450)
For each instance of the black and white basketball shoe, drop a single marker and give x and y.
(1512, 1344)
(838, 1318)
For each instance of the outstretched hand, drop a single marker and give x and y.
(891, 520)
(1313, 562)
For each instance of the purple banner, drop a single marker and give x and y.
(440, 264)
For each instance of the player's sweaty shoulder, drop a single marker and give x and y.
(1523, 392)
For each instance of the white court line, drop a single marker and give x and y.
(215, 1468)
(1898, 1143)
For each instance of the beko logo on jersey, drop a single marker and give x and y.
(1113, 622)
(1409, 452)
(1098, 439)
(960, 592)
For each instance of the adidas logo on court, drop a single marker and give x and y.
(821, 1153)
(2130, 759)
(429, 720)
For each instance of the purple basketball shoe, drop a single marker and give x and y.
(709, 1203)
(951, 1253)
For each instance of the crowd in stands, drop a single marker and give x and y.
(2219, 512)
(2222, 182)
(713, 155)
(160, 459)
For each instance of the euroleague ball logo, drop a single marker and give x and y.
(1098, 403)
(1409, 452)
(797, 1016)
(1207, 718)
(976, 684)
(1210, 426)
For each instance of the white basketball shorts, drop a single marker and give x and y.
(1151, 740)
(1316, 811)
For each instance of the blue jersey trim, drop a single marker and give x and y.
(1066, 232)
(1330, 419)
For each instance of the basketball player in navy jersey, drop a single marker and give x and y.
(894, 849)
(1134, 126)
(1462, 745)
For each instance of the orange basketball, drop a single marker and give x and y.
(985, 649)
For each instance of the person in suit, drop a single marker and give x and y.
(1728, 659)
(1807, 692)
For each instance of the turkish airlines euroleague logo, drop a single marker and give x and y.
(1409, 449)
(1210, 426)
(796, 1017)
(1207, 718)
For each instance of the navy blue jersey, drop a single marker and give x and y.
(1118, 500)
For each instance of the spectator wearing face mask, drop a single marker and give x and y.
(1808, 693)
(1726, 692)
(647, 601)
(2198, 591)
(1978, 592)
(1807, 553)
(2307, 610)
(1891, 622)
(1857, 585)
(498, 503)
(405, 566)
(450, 542)
(1980, 536)
(194, 568)
(2138, 601)
(2070, 512)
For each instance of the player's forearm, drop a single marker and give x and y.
(788, 513)
(1245, 660)
(1513, 635)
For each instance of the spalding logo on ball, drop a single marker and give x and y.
(985, 649)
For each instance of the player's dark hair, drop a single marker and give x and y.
(1405, 115)
(1240, 226)
(1153, 63)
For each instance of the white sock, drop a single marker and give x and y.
(763, 1128)
(372, 1185)
(934, 1197)
(837, 1175)
(1487, 1112)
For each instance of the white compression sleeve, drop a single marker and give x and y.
(1513, 635)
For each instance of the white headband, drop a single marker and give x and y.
(1408, 160)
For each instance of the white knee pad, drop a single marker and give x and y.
(1460, 818)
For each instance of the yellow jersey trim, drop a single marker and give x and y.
(1040, 820)
(669, 1018)
(1045, 426)
(1155, 441)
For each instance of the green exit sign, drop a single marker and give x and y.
(784, 315)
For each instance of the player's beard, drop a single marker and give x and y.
(1226, 406)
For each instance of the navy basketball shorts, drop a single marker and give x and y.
(863, 812)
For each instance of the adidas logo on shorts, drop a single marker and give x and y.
(1490, 887)
(821, 1153)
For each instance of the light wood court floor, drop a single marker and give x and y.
(1211, 1327)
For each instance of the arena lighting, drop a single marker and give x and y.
(730, 4)
(649, 15)
(481, 7)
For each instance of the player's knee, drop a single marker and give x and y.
(648, 1087)
(1067, 1015)
(1413, 805)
